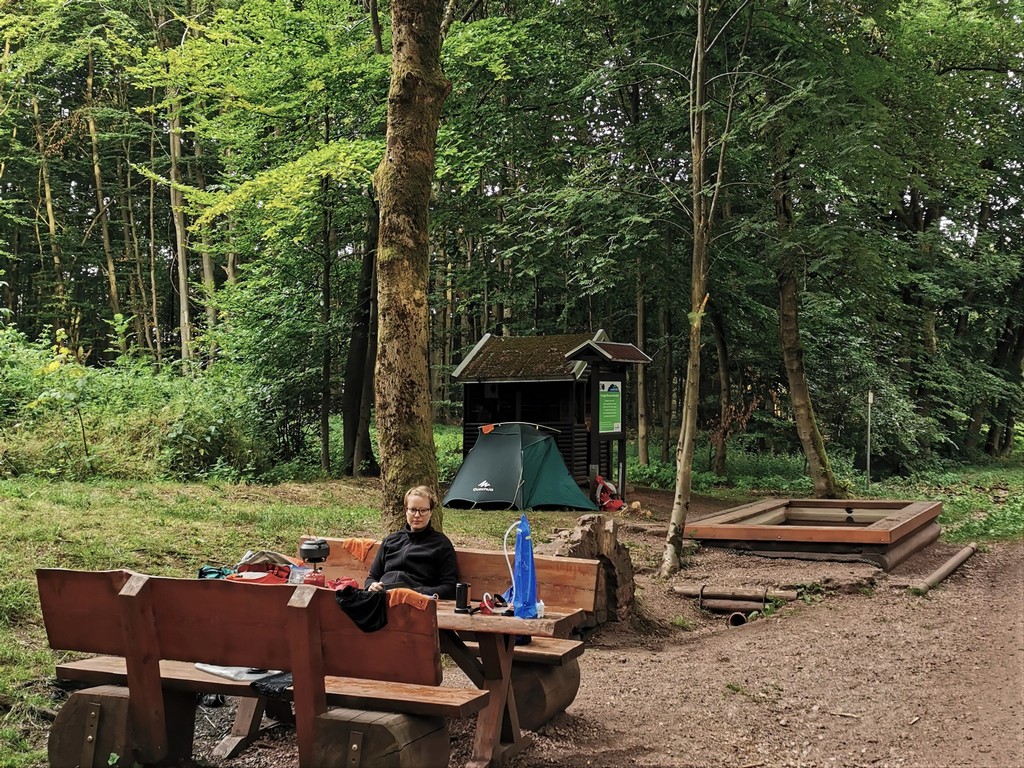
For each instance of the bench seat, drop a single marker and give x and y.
(541, 650)
(349, 692)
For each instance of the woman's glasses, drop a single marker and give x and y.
(417, 511)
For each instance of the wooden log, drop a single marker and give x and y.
(943, 572)
(732, 606)
(544, 690)
(95, 724)
(925, 536)
(90, 728)
(735, 593)
(352, 737)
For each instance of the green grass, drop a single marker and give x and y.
(978, 502)
(163, 529)
(172, 529)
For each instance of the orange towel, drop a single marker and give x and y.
(359, 548)
(402, 596)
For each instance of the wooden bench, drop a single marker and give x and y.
(152, 630)
(564, 583)
(546, 672)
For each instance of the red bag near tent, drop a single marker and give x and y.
(608, 496)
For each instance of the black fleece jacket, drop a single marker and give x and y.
(422, 560)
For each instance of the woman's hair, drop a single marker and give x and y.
(424, 492)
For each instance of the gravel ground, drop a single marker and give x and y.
(859, 674)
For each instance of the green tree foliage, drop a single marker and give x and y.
(893, 127)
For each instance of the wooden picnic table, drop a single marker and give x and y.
(498, 735)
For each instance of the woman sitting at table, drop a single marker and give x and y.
(417, 557)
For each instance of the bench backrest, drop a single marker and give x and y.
(562, 582)
(82, 612)
(230, 624)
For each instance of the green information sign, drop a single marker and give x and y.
(609, 418)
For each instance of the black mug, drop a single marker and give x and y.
(462, 598)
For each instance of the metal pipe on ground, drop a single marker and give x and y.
(736, 619)
(761, 594)
(943, 572)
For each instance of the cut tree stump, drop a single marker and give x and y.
(596, 537)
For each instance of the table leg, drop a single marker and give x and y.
(244, 730)
(498, 735)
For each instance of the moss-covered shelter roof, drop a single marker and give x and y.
(525, 358)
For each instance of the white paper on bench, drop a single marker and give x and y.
(242, 674)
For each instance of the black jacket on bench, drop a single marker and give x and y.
(421, 560)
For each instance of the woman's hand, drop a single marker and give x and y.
(375, 587)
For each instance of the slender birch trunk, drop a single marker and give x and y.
(59, 290)
(101, 204)
(154, 297)
(705, 187)
(180, 227)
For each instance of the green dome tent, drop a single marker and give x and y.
(515, 466)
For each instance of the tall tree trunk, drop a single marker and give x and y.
(180, 231)
(642, 436)
(378, 43)
(819, 467)
(132, 255)
(59, 290)
(403, 181)
(209, 273)
(357, 373)
(325, 322)
(825, 485)
(705, 189)
(154, 297)
(1001, 360)
(701, 209)
(724, 398)
(667, 390)
(101, 205)
(999, 442)
(363, 460)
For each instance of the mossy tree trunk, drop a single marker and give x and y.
(819, 467)
(418, 89)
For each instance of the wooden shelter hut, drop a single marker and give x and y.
(546, 380)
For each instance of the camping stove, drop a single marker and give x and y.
(314, 552)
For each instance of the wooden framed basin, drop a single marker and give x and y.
(881, 531)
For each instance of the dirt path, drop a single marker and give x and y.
(864, 674)
(867, 675)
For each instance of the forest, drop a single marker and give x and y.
(790, 206)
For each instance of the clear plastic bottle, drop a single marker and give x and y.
(540, 609)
